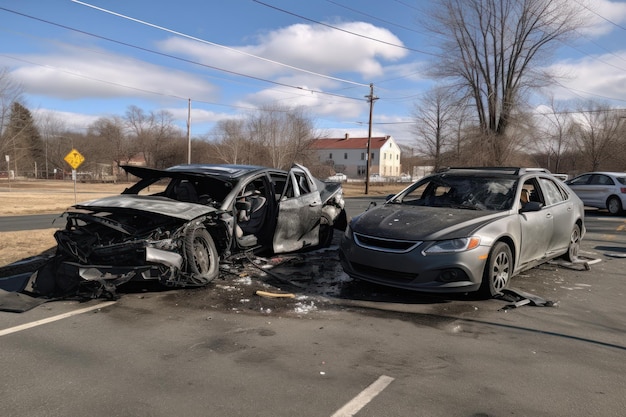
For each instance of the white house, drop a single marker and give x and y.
(349, 155)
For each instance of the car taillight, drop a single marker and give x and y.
(623, 190)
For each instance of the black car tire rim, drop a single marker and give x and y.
(202, 257)
(614, 205)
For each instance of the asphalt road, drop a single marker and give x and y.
(224, 351)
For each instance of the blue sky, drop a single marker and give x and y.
(83, 60)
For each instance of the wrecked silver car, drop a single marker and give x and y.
(178, 235)
(465, 230)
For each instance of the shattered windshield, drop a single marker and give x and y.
(464, 192)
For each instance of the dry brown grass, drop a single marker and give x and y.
(44, 197)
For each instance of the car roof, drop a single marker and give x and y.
(493, 171)
(616, 174)
(228, 171)
(225, 172)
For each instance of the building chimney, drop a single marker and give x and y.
(347, 136)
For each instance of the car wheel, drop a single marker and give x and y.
(614, 205)
(574, 245)
(201, 255)
(498, 271)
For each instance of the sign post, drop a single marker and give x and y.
(8, 159)
(74, 159)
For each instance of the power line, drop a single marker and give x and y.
(216, 44)
(176, 57)
(375, 17)
(341, 30)
(600, 16)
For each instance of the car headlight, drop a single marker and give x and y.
(454, 245)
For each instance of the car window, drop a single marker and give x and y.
(467, 192)
(534, 191)
(622, 180)
(551, 191)
(303, 183)
(583, 179)
(600, 179)
(297, 185)
(279, 182)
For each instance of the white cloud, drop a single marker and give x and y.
(601, 77)
(69, 120)
(314, 47)
(602, 16)
(71, 75)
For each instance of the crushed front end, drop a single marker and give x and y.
(99, 250)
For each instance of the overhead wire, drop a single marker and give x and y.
(342, 30)
(216, 44)
(178, 58)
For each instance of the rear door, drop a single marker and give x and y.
(600, 187)
(563, 212)
(299, 213)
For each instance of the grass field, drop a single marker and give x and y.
(20, 198)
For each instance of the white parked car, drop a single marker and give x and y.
(603, 190)
(338, 177)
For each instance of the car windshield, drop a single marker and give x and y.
(464, 192)
(622, 180)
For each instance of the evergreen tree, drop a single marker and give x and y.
(25, 146)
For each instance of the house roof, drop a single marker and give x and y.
(349, 143)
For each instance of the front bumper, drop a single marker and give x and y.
(413, 270)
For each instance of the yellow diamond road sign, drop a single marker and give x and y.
(74, 158)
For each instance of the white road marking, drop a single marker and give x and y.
(361, 400)
(54, 318)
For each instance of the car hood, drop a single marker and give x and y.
(393, 221)
(149, 204)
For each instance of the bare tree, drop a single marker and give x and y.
(436, 116)
(284, 132)
(109, 133)
(51, 128)
(596, 131)
(491, 49)
(151, 132)
(553, 135)
(233, 141)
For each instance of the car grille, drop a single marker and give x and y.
(385, 245)
(384, 274)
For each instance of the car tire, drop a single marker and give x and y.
(201, 255)
(498, 270)
(574, 245)
(614, 205)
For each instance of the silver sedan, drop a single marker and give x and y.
(465, 230)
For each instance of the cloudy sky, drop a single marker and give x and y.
(86, 59)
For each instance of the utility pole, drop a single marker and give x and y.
(371, 98)
(189, 131)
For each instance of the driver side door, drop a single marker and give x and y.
(299, 213)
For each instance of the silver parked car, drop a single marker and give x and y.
(603, 190)
(465, 230)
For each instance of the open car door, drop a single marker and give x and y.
(299, 212)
